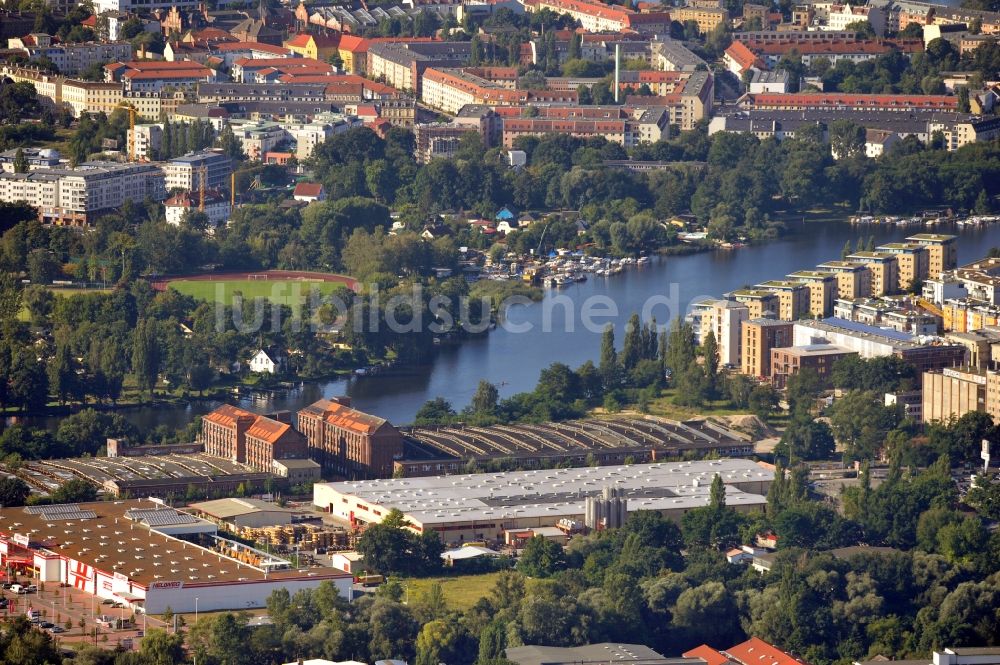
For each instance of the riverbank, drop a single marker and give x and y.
(511, 356)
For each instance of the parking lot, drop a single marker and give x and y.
(72, 616)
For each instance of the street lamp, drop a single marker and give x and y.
(196, 610)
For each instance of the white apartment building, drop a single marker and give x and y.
(725, 319)
(258, 137)
(76, 195)
(148, 140)
(217, 207)
(185, 172)
(72, 59)
(101, 6)
(309, 135)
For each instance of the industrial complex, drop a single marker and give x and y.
(447, 449)
(148, 556)
(484, 506)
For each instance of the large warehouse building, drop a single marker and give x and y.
(133, 552)
(483, 506)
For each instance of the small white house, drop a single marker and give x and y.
(266, 362)
(309, 192)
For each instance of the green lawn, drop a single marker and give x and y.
(460, 591)
(282, 292)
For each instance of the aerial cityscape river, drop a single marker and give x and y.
(513, 360)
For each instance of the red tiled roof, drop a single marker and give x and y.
(227, 415)
(268, 430)
(707, 654)
(354, 44)
(756, 651)
(344, 416)
(308, 189)
(815, 99)
(252, 46)
(742, 55)
(300, 40)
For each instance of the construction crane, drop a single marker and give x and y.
(203, 170)
(232, 190)
(131, 129)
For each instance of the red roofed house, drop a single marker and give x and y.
(739, 58)
(318, 47)
(248, 438)
(348, 442)
(352, 50)
(754, 651)
(309, 192)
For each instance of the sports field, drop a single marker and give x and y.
(281, 292)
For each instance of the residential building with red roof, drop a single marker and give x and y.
(738, 58)
(449, 89)
(349, 442)
(804, 101)
(242, 436)
(309, 192)
(599, 17)
(318, 47)
(261, 70)
(767, 53)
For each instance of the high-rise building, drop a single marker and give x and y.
(759, 337)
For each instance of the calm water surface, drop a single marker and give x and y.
(513, 360)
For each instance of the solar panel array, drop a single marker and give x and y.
(160, 517)
(66, 511)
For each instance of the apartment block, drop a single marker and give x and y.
(790, 360)
(883, 268)
(942, 251)
(185, 172)
(148, 139)
(77, 196)
(913, 260)
(793, 298)
(600, 17)
(723, 318)
(707, 18)
(759, 337)
(624, 126)
(72, 59)
(854, 280)
(955, 391)
(91, 97)
(760, 303)
(823, 290)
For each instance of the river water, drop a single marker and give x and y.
(512, 360)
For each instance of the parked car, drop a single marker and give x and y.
(46, 625)
(107, 601)
(31, 588)
(57, 629)
(18, 589)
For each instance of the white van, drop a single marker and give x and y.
(18, 589)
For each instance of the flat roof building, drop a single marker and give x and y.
(790, 360)
(759, 337)
(484, 506)
(105, 549)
